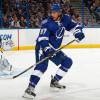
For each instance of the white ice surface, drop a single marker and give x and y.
(82, 80)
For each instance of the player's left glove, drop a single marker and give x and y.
(49, 51)
(79, 36)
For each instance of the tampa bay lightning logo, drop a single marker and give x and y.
(60, 32)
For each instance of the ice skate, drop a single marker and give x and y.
(5, 66)
(8, 70)
(29, 93)
(55, 84)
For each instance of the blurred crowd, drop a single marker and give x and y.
(94, 8)
(30, 13)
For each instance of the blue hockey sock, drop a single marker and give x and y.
(34, 79)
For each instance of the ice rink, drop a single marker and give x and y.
(82, 80)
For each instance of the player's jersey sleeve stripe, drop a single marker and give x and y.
(76, 29)
(42, 38)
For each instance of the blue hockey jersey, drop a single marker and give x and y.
(52, 32)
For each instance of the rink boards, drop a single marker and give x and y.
(25, 39)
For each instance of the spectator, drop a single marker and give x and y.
(5, 22)
(22, 22)
(15, 23)
(94, 8)
(29, 13)
(20, 13)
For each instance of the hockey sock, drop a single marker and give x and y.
(34, 79)
(61, 72)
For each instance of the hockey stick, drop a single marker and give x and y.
(43, 59)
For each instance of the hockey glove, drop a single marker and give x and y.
(49, 51)
(79, 36)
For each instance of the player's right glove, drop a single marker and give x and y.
(79, 36)
(49, 51)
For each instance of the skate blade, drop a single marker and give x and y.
(63, 87)
(27, 96)
(55, 89)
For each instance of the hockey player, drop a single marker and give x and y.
(5, 66)
(48, 41)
